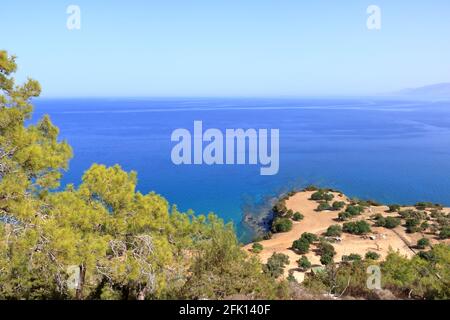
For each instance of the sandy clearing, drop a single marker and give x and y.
(317, 223)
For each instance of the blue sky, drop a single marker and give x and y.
(227, 47)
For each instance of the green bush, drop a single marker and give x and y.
(322, 195)
(298, 216)
(257, 247)
(275, 264)
(354, 210)
(301, 246)
(310, 237)
(391, 222)
(358, 227)
(334, 231)
(351, 257)
(444, 233)
(338, 205)
(326, 259)
(281, 225)
(422, 243)
(394, 208)
(344, 216)
(304, 263)
(370, 255)
(324, 206)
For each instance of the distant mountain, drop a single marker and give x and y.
(441, 90)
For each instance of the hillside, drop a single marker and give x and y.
(379, 239)
(441, 90)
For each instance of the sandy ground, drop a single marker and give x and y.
(317, 223)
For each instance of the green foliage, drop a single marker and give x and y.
(424, 278)
(322, 195)
(281, 225)
(338, 205)
(301, 246)
(275, 265)
(334, 231)
(257, 247)
(351, 257)
(389, 222)
(444, 233)
(323, 206)
(303, 263)
(298, 216)
(354, 210)
(344, 216)
(123, 244)
(358, 227)
(309, 237)
(423, 243)
(371, 255)
(394, 208)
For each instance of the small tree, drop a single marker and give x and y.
(281, 225)
(394, 208)
(275, 264)
(338, 205)
(257, 247)
(324, 206)
(423, 243)
(444, 233)
(303, 263)
(301, 246)
(334, 231)
(309, 237)
(358, 227)
(370, 255)
(391, 222)
(351, 257)
(326, 259)
(298, 216)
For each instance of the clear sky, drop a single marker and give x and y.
(227, 47)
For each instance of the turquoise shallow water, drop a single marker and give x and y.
(386, 150)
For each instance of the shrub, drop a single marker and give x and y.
(322, 195)
(325, 248)
(327, 252)
(298, 216)
(334, 231)
(354, 210)
(351, 257)
(380, 221)
(311, 188)
(310, 237)
(267, 235)
(444, 233)
(394, 208)
(338, 205)
(275, 264)
(281, 225)
(304, 263)
(358, 227)
(392, 222)
(412, 225)
(257, 247)
(326, 259)
(301, 246)
(370, 255)
(422, 243)
(344, 216)
(424, 205)
(324, 206)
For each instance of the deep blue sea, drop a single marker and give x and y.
(388, 150)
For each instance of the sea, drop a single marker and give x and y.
(384, 149)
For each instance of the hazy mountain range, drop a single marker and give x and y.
(441, 90)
